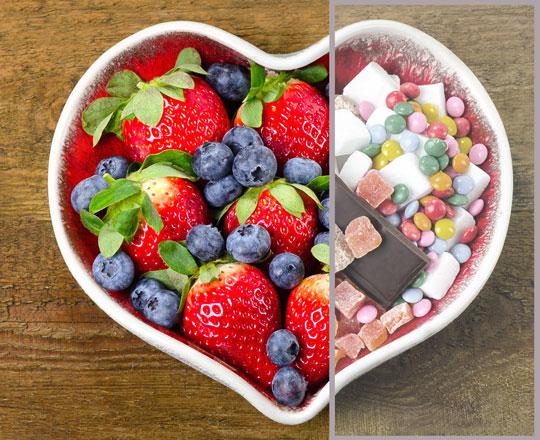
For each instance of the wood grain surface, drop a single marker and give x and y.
(476, 376)
(66, 370)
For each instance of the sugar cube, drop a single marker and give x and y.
(348, 299)
(354, 168)
(373, 334)
(362, 237)
(350, 344)
(397, 316)
(441, 278)
(351, 133)
(372, 84)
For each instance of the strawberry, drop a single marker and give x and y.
(291, 116)
(307, 317)
(174, 111)
(233, 316)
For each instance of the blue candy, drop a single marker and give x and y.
(463, 184)
(461, 252)
(412, 295)
(411, 209)
(409, 141)
(378, 134)
(439, 246)
(394, 219)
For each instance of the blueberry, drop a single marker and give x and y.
(115, 273)
(205, 242)
(248, 243)
(327, 90)
(85, 190)
(222, 191)
(144, 288)
(116, 166)
(282, 347)
(322, 237)
(255, 166)
(239, 137)
(162, 308)
(230, 81)
(286, 270)
(300, 170)
(324, 214)
(212, 161)
(289, 386)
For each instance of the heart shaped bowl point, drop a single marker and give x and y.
(151, 52)
(417, 57)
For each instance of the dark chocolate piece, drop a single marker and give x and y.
(384, 273)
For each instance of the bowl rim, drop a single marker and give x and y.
(504, 206)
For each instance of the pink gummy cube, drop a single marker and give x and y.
(350, 344)
(362, 237)
(348, 299)
(374, 189)
(397, 316)
(373, 334)
(346, 326)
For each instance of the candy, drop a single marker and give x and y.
(413, 295)
(427, 238)
(425, 200)
(417, 122)
(411, 209)
(396, 317)
(391, 149)
(453, 147)
(403, 108)
(365, 109)
(374, 188)
(463, 126)
(450, 125)
(378, 134)
(455, 106)
(419, 280)
(387, 207)
(445, 229)
(433, 261)
(431, 112)
(394, 219)
(373, 334)
(440, 181)
(417, 107)
(342, 102)
(366, 314)
(371, 150)
(460, 163)
(476, 207)
(380, 161)
(478, 154)
(410, 90)
(434, 95)
(372, 84)
(462, 220)
(362, 237)
(444, 160)
(395, 124)
(465, 144)
(400, 194)
(409, 141)
(441, 278)
(458, 200)
(351, 133)
(410, 230)
(435, 147)
(421, 308)
(463, 184)
(342, 254)
(348, 299)
(481, 180)
(354, 168)
(435, 209)
(450, 211)
(422, 221)
(350, 344)
(437, 129)
(469, 234)
(429, 165)
(394, 98)
(438, 247)
(461, 252)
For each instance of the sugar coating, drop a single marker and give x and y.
(374, 334)
(372, 84)
(350, 344)
(433, 94)
(342, 253)
(397, 316)
(440, 279)
(374, 189)
(348, 299)
(354, 168)
(362, 237)
(351, 133)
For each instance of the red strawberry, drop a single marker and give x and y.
(233, 316)
(180, 205)
(288, 232)
(185, 125)
(307, 317)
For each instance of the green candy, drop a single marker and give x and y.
(429, 165)
(435, 147)
(419, 280)
(444, 160)
(458, 200)
(371, 150)
(395, 124)
(404, 109)
(400, 194)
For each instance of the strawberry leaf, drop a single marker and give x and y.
(258, 76)
(100, 128)
(219, 215)
(123, 84)
(288, 197)
(312, 74)
(119, 190)
(172, 92)
(184, 294)
(127, 222)
(151, 215)
(247, 204)
(159, 170)
(176, 158)
(177, 257)
(169, 278)
(274, 91)
(209, 272)
(96, 112)
(308, 192)
(321, 252)
(177, 79)
(109, 240)
(148, 106)
(319, 184)
(133, 167)
(195, 68)
(189, 55)
(252, 111)
(91, 222)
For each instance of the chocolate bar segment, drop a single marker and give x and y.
(387, 271)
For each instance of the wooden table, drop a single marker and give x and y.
(66, 369)
(476, 376)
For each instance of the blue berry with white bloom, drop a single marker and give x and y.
(322, 237)
(115, 166)
(162, 308)
(222, 192)
(205, 242)
(324, 214)
(212, 161)
(301, 170)
(239, 137)
(286, 270)
(142, 291)
(378, 134)
(289, 386)
(85, 190)
(115, 273)
(255, 166)
(230, 81)
(282, 347)
(248, 243)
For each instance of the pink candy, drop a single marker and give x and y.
(410, 230)
(365, 109)
(455, 106)
(478, 154)
(476, 207)
(426, 238)
(463, 127)
(387, 207)
(421, 308)
(453, 147)
(395, 97)
(417, 122)
(469, 234)
(433, 261)
(366, 314)
(411, 90)
(437, 130)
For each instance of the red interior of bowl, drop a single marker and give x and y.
(151, 58)
(412, 63)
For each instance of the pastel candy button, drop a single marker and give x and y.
(412, 296)
(366, 314)
(421, 308)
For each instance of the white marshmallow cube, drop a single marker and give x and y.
(462, 220)
(433, 94)
(356, 166)
(481, 181)
(441, 278)
(379, 116)
(372, 84)
(351, 133)
(405, 170)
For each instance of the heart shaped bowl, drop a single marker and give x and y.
(417, 57)
(150, 52)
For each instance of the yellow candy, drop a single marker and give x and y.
(440, 181)
(422, 221)
(424, 200)
(380, 161)
(465, 144)
(445, 229)
(460, 163)
(431, 111)
(450, 124)
(417, 107)
(391, 149)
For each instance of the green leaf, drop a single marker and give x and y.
(288, 197)
(172, 92)
(133, 167)
(177, 79)
(148, 106)
(189, 55)
(184, 294)
(308, 192)
(252, 111)
(123, 84)
(115, 124)
(119, 190)
(247, 204)
(127, 222)
(99, 129)
(129, 109)
(177, 257)
(109, 240)
(97, 111)
(258, 76)
(312, 74)
(151, 215)
(158, 170)
(195, 68)
(321, 252)
(319, 184)
(178, 159)
(274, 91)
(219, 215)
(209, 272)
(91, 222)
(169, 278)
